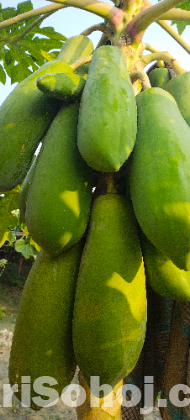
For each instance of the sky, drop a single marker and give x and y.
(72, 21)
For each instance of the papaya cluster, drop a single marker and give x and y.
(84, 301)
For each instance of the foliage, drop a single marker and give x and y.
(182, 25)
(22, 51)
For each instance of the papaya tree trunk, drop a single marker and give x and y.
(86, 412)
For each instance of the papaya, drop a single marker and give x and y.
(109, 318)
(42, 341)
(65, 86)
(22, 197)
(162, 275)
(26, 114)
(107, 117)
(76, 47)
(160, 175)
(59, 197)
(159, 77)
(179, 88)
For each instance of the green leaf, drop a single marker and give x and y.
(9, 57)
(181, 27)
(24, 248)
(184, 6)
(48, 56)
(21, 55)
(2, 75)
(51, 33)
(23, 7)
(8, 220)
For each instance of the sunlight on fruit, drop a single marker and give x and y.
(71, 199)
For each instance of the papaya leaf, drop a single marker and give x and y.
(22, 51)
(2, 75)
(182, 25)
(24, 248)
(23, 7)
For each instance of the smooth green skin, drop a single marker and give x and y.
(78, 46)
(109, 319)
(107, 118)
(58, 201)
(179, 88)
(160, 175)
(24, 190)
(162, 275)
(65, 86)
(24, 118)
(42, 342)
(159, 77)
(27, 113)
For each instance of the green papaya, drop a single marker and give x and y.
(107, 118)
(76, 47)
(109, 318)
(65, 86)
(160, 175)
(179, 88)
(162, 275)
(58, 200)
(22, 197)
(42, 341)
(159, 77)
(27, 113)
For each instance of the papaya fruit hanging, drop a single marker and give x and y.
(160, 175)
(42, 341)
(159, 77)
(67, 87)
(162, 275)
(27, 113)
(107, 118)
(109, 319)
(59, 197)
(179, 88)
(22, 197)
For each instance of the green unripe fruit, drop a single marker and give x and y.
(179, 88)
(160, 175)
(109, 318)
(65, 86)
(42, 341)
(59, 197)
(159, 77)
(162, 275)
(27, 113)
(107, 118)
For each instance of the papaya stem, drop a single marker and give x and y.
(152, 49)
(174, 35)
(80, 62)
(142, 76)
(110, 183)
(176, 14)
(106, 11)
(140, 23)
(172, 14)
(29, 15)
(166, 57)
(99, 27)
